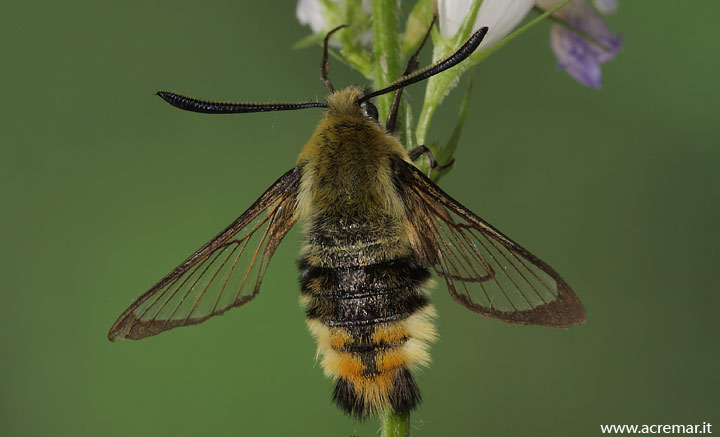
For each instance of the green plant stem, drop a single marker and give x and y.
(394, 424)
(440, 85)
(386, 48)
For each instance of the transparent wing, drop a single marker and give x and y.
(484, 270)
(224, 273)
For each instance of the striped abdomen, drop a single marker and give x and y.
(362, 290)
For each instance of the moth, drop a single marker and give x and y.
(375, 226)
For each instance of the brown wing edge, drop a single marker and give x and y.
(130, 327)
(565, 311)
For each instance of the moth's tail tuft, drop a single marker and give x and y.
(347, 399)
(403, 396)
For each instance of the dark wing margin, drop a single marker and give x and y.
(224, 273)
(484, 270)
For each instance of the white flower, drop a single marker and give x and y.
(500, 16)
(316, 15)
(312, 13)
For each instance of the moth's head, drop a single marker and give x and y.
(347, 102)
(355, 101)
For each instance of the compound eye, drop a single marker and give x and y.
(371, 111)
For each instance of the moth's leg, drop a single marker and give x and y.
(411, 67)
(419, 151)
(325, 66)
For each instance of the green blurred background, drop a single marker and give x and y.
(105, 188)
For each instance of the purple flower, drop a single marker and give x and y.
(577, 55)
